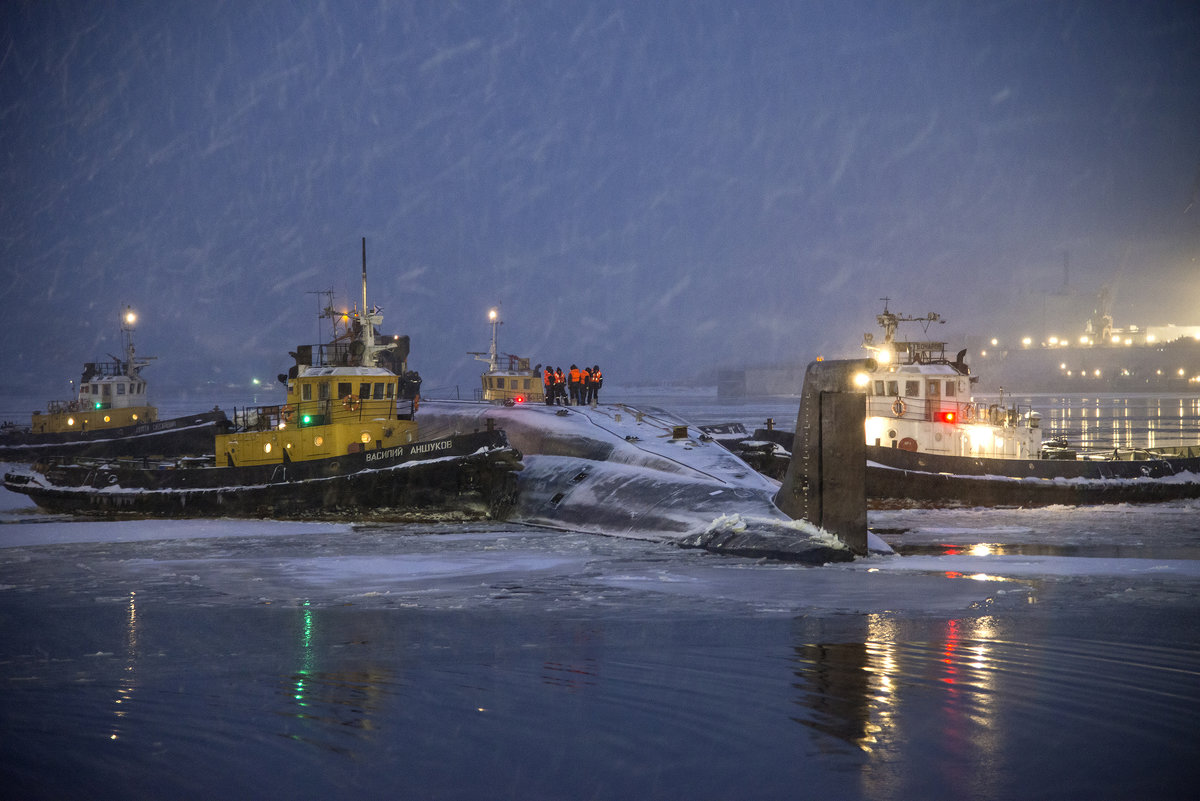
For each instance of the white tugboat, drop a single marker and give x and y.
(930, 442)
(919, 400)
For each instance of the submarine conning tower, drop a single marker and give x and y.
(826, 482)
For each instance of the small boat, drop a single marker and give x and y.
(345, 442)
(930, 443)
(111, 416)
(512, 381)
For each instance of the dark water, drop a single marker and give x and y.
(509, 663)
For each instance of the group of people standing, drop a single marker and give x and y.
(573, 388)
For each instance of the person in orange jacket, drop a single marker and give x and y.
(560, 387)
(548, 385)
(585, 385)
(597, 382)
(574, 377)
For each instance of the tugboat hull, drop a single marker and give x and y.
(466, 477)
(179, 436)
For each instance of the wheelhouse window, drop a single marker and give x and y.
(893, 388)
(323, 390)
(912, 389)
(344, 389)
(377, 392)
(935, 389)
(391, 390)
(120, 389)
(364, 391)
(950, 389)
(306, 392)
(878, 387)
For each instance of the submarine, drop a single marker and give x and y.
(644, 473)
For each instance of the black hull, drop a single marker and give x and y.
(897, 477)
(1157, 467)
(462, 477)
(179, 436)
(889, 488)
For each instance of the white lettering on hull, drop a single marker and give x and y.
(399, 451)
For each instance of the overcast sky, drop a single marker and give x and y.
(660, 187)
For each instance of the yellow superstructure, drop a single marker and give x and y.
(329, 411)
(111, 394)
(65, 416)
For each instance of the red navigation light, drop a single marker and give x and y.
(519, 399)
(946, 417)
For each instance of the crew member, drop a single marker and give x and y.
(548, 385)
(573, 378)
(586, 385)
(597, 382)
(560, 386)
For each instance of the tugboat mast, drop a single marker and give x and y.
(128, 326)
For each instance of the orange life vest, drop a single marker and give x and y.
(575, 376)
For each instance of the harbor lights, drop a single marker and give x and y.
(128, 319)
(861, 380)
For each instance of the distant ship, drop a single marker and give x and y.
(110, 416)
(510, 381)
(1101, 358)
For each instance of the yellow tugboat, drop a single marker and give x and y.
(111, 394)
(111, 416)
(344, 442)
(514, 382)
(352, 395)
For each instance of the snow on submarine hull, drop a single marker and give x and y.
(640, 473)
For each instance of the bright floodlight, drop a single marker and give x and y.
(492, 314)
(861, 379)
(130, 317)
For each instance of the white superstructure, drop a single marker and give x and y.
(919, 400)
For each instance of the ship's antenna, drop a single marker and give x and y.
(364, 249)
(494, 317)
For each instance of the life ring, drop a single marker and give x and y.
(286, 413)
(899, 407)
(907, 444)
(350, 403)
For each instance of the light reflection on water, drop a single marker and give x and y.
(298, 701)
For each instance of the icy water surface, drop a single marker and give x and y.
(1024, 654)
(201, 659)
